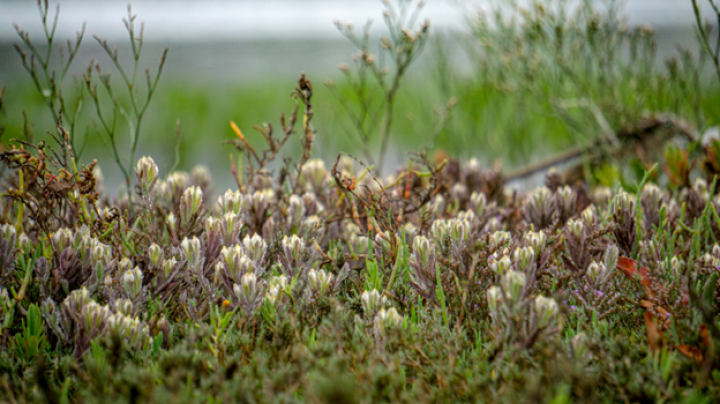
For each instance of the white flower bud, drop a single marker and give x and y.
(611, 257)
(457, 191)
(177, 182)
(501, 237)
(24, 244)
(61, 238)
(423, 250)
(437, 206)
(652, 192)
(459, 230)
(578, 343)
(190, 204)
(500, 266)
(124, 306)
(146, 173)
(261, 200)
(371, 301)
(272, 295)
(707, 259)
(168, 266)
(589, 215)
(124, 265)
(171, 222)
(294, 247)
(513, 283)
(255, 247)
(219, 270)
(386, 320)
(439, 230)
(319, 281)
(280, 281)
(7, 232)
(524, 257)
(576, 228)
(311, 223)
(296, 209)
(230, 202)
(210, 223)
(313, 174)
(247, 291)
(191, 249)
(156, 254)
(131, 281)
(494, 298)
(677, 265)
(237, 262)
(540, 196)
(545, 310)
(596, 273)
(479, 202)
(623, 200)
(566, 197)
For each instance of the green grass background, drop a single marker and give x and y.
(490, 121)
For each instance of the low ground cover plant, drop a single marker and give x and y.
(324, 281)
(330, 284)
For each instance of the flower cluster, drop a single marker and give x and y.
(511, 266)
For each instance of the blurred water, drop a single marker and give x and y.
(251, 20)
(235, 39)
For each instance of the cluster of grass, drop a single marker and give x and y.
(329, 282)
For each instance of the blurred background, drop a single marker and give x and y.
(469, 94)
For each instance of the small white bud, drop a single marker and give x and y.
(500, 266)
(545, 310)
(156, 254)
(513, 283)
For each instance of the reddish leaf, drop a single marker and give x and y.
(653, 333)
(705, 337)
(707, 340)
(664, 315)
(629, 267)
(690, 352)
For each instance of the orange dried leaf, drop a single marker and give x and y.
(690, 352)
(665, 316)
(653, 333)
(705, 336)
(237, 131)
(629, 267)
